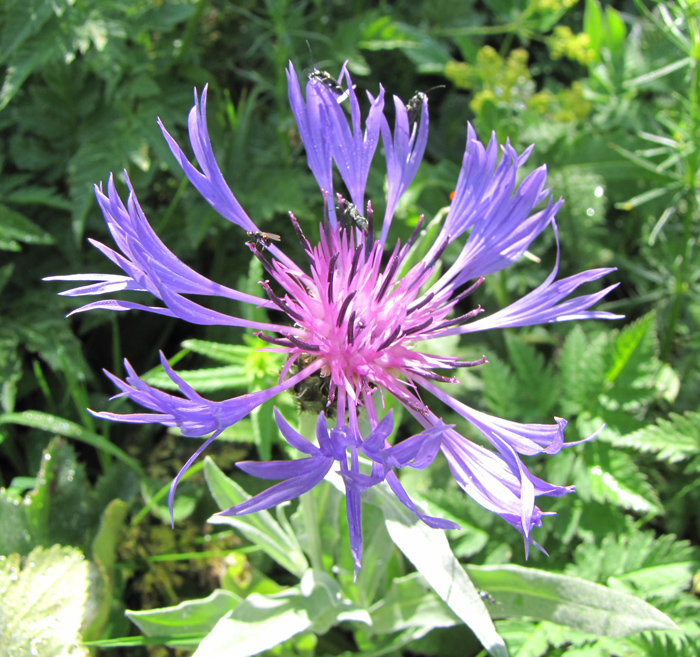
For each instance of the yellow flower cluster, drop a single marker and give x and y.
(508, 85)
(577, 47)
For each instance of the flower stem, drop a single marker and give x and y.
(309, 512)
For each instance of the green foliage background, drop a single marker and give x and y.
(609, 95)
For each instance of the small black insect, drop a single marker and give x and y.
(264, 238)
(414, 107)
(327, 80)
(352, 214)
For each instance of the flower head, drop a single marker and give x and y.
(356, 319)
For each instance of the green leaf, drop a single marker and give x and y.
(173, 640)
(376, 550)
(615, 33)
(205, 380)
(15, 227)
(53, 340)
(20, 21)
(633, 362)
(263, 622)
(6, 272)
(500, 387)
(260, 528)
(430, 553)
(104, 550)
(10, 370)
(615, 477)
(226, 353)
(66, 503)
(428, 54)
(325, 512)
(42, 605)
(190, 617)
(58, 509)
(19, 533)
(577, 603)
(35, 195)
(264, 429)
(642, 563)
(30, 56)
(672, 440)
(593, 25)
(58, 425)
(522, 385)
(410, 603)
(661, 72)
(582, 370)
(183, 505)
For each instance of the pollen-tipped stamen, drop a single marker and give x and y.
(395, 334)
(279, 342)
(423, 302)
(344, 308)
(417, 329)
(389, 277)
(280, 303)
(306, 346)
(331, 275)
(462, 319)
(470, 363)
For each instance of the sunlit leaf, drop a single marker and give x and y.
(260, 527)
(577, 603)
(190, 617)
(430, 553)
(672, 439)
(42, 604)
(62, 427)
(260, 622)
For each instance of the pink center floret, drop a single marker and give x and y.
(358, 319)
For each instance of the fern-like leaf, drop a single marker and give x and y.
(671, 440)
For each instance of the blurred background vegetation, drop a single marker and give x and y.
(608, 93)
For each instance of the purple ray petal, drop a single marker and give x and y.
(294, 438)
(194, 415)
(209, 182)
(314, 129)
(542, 304)
(404, 153)
(402, 495)
(282, 492)
(352, 149)
(281, 469)
(527, 439)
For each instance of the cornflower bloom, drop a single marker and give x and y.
(355, 320)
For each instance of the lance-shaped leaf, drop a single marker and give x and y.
(260, 528)
(430, 553)
(578, 603)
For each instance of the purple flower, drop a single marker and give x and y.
(354, 319)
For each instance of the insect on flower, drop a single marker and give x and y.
(358, 324)
(263, 238)
(353, 215)
(328, 81)
(415, 105)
